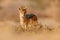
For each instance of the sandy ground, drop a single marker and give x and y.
(8, 32)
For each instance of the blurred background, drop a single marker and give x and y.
(47, 12)
(42, 8)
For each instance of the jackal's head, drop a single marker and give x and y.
(22, 10)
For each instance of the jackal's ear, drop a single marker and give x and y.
(25, 7)
(19, 8)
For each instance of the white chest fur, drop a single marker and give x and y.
(21, 19)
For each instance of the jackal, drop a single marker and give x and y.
(27, 20)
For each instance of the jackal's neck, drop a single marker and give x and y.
(21, 15)
(21, 18)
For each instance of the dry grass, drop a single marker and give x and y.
(10, 30)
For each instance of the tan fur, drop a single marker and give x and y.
(24, 22)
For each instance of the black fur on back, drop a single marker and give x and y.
(28, 16)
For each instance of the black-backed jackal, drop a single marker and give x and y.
(27, 20)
